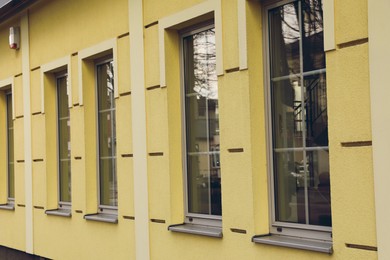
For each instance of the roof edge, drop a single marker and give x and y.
(13, 7)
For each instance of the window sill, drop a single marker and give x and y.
(102, 217)
(59, 212)
(201, 230)
(293, 242)
(7, 206)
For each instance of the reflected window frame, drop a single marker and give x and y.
(58, 76)
(214, 155)
(103, 208)
(279, 227)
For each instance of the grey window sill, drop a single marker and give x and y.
(7, 206)
(102, 217)
(197, 230)
(292, 242)
(59, 212)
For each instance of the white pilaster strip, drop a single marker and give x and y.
(242, 44)
(379, 56)
(137, 74)
(25, 48)
(328, 14)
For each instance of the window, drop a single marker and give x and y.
(7, 173)
(203, 173)
(10, 150)
(299, 152)
(56, 106)
(202, 169)
(108, 192)
(64, 149)
(97, 94)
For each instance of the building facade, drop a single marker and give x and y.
(199, 129)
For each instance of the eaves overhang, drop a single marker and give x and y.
(9, 8)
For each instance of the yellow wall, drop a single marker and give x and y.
(76, 27)
(13, 66)
(13, 222)
(82, 32)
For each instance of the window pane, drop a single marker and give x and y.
(105, 78)
(316, 110)
(64, 142)
(312, 35)
(107, 135)
(284, 40)
(63, 107)
(11, 145)
(108, 182)
(319, 188)
(11, 181)
(202, 124)
(289, 178)
(204, 184)
(65, 163)
(65, 181)
(213, 124)
(10, 122)
(200, 64)
(196, 125)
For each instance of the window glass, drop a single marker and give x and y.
(299, 114)
(202, 124)
(10, 142)
(284, 40)
(64, 140)
(107, 135)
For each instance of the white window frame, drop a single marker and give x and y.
(281, 228)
